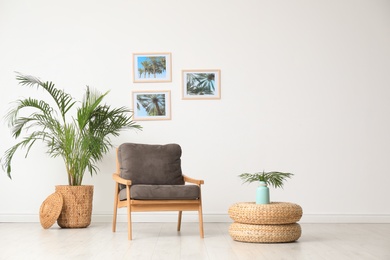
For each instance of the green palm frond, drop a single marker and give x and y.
(63, 100)
(27, 142)
(273, 178)
(40, 108)
(81, 143)
(200, 83)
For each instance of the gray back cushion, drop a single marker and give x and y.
(151, 164)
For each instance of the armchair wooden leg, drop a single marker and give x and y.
(115, 208)
(179, 221)
(129, 224)
(201, 230)
(114, 219)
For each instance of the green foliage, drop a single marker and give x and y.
(153, 104)
(275, 179)
(81, 141)
(152, 66)
(200, 83)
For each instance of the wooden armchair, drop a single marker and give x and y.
(149, 178)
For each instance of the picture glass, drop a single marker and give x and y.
(152, 67)
(151, 105)
(201, 84)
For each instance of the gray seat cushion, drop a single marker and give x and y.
(162, 192)
(150, 164)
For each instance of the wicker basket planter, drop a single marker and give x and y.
(77, 206)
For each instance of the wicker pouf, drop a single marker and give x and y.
(265, 233)
(273, 213)
(265, 223)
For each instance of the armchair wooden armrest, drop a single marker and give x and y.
(120, 180)
(191, 180)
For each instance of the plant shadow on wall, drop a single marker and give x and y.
(81, 140)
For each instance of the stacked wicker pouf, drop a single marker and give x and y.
(265, 223)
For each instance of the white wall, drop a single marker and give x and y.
(305, 89)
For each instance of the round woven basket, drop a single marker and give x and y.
(265, 233)
(50, 210)
(273, 213)
(77, 207)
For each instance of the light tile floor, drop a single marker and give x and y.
(162, 241)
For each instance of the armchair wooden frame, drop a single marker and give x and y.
(154, 205)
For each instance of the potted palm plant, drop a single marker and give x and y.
(80, 140)
(265, 179)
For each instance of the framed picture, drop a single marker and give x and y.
(152, 67)
(201, 84)
(152, 105)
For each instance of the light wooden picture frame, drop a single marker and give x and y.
(201, 84)
(151, 105)
(152, 67)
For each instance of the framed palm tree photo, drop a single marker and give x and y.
(152, 105)
(201, 84)
(152, 67)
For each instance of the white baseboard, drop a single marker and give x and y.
(164, 217)
(346, 218)
(193, 217)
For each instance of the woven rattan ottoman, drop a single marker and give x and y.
(268, 223)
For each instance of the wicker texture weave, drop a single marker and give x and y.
(265, 233)
(273, 213)
(50, 210)
(77, 207)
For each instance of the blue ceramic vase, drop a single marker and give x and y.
(262, 193)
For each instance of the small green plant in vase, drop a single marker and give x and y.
(265, 179)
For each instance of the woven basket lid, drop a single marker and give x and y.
(50, 210)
